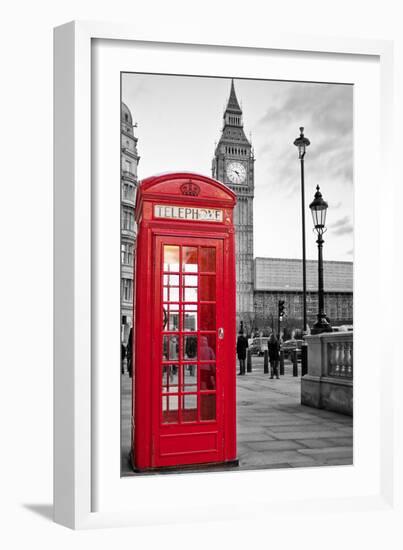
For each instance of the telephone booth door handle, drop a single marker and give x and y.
(221, 334)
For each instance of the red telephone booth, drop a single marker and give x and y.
(184, 407)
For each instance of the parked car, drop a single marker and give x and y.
(343, 328)
(290, 345)
(258, 345)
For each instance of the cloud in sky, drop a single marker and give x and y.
(345, 230)
(180, 119)
(343, 226)
(326, 113)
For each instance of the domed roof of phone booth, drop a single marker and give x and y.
(167, 187)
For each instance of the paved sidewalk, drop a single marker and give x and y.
(274, 429)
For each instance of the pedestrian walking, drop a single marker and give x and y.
(274, 355)
(207, 370)
(122, 357)
(241, 347)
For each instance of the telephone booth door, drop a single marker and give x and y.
(189, 360)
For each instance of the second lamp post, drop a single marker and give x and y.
(319, 208)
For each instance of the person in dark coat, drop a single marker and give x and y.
(122, 357)
(274, 355)
(241, 347)
(129, 353)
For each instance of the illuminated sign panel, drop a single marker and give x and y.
(188, 213)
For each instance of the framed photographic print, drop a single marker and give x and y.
(214, 288)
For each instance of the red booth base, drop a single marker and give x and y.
(205, 467)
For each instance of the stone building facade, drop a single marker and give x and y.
(233, 165)
(129, 182)
(281, 279)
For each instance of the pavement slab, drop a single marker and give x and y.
(318, 443)
(328, 452)
(346, 429)
(340, 442)
(339, 461)
(255, 436)
(304, 427)
(274, 445)
(302, 434)
(275, 457)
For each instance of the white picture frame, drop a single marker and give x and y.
(88, 490)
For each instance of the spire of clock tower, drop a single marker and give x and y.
(233, 112)
(233, 105)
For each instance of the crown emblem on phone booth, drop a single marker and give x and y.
(190, 188)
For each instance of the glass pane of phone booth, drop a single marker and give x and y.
(188, 362)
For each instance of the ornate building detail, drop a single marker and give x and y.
(340, 359)
(280, 279)
(129, 182)
(190, 188)
(233, 165)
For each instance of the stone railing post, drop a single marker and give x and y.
(329, 381)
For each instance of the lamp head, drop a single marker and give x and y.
(319, 208)
(302, 143)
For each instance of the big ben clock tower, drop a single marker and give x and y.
(233, 165)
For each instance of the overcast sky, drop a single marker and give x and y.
(180, 119)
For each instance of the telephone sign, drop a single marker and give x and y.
(188, 213)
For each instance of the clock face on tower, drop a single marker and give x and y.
(236, 172)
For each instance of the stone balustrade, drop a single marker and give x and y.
(340, 358)
(329, 381)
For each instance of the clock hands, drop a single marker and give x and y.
(236, 172)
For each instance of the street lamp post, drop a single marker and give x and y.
(319, 208)
(255, 318)
(302, 143)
